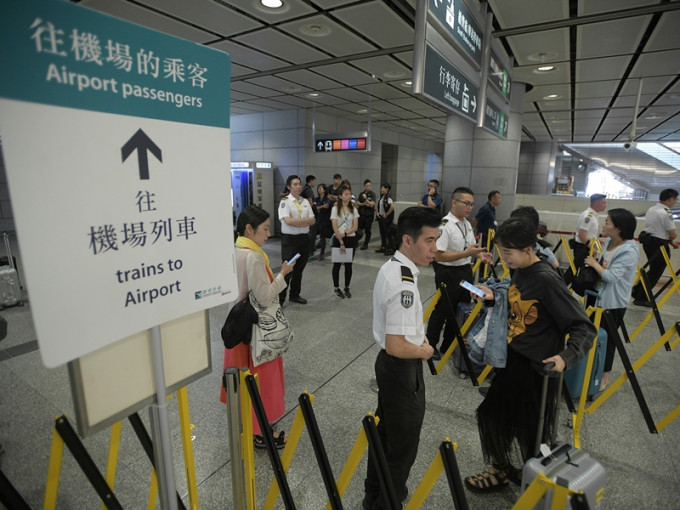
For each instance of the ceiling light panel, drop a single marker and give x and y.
(617, 37)
(389, 32)
(282, 46)
(207, 13)
(339, 41)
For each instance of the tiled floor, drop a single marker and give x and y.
(332, 358)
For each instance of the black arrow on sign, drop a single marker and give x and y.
(141, 143)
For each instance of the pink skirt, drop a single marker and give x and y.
(270, 376)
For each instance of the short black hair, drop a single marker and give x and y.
(461, 190)
(412, 220)
(625, 221)
(492, 193)
(517, 233)
(252, 215)
(290, 179)
(337, 176)
(435, 181)
(528, 212)
(310, 178)
(366, 181)
(386, 185)
(668, 193)
(595, 197)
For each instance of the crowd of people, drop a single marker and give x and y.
(541, 310)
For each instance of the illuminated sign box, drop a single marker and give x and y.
(342, 142)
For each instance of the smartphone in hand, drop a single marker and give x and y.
(294, 258)
(472, 288)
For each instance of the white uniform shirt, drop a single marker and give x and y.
(397, 309)
(291, 208)
(588, 221)
(456, 235)
(659, 220)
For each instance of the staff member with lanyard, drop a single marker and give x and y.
(455, 250)
(399, 332)
(296, 217)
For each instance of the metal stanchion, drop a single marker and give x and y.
(230, 380)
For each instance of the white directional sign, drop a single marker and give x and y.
(116, 147)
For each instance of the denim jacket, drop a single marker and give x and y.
(495, 352)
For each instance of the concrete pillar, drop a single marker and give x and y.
(475, 158)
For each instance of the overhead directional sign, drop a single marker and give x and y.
(459, 25)
(495, 119)
(499, 76)
(116, 146)
(341, 142)
(445, 84)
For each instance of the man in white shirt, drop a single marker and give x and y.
(660, 226)
(296, 217)
(587, 228)
(456, 247)
(399, 332)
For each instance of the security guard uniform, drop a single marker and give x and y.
(456, 235)
(397, 310)
(294, 240)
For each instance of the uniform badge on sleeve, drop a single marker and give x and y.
(406, 298)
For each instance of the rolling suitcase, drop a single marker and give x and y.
(10, 290)
(575, 376)
(564, 464)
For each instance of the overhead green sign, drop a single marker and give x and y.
(458, 24)
(495, 119)
(445, 84)
(61, 54)
(499, 76)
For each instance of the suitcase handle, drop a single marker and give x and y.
(547, 460)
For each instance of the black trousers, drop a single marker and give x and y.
(445, 310)
(616, 314)
(385, 243)
(365, 224)
(401, 409)
(290, 245)
(657, 264)
(350, 242)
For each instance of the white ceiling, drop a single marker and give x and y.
(355, 55)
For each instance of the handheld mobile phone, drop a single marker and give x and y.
(294, 258)
(472, 288)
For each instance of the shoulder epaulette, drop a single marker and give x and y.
(406, 274)
(445, 221)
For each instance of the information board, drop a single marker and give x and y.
(116, 147)
(499, 76)
(445, 84)
(341, 142)
(459, 25)
(495, 119)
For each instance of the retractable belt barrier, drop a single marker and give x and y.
(64, 434)
(444, 461)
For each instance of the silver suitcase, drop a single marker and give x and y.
(570, 467)
(565, 465)
(10, 289)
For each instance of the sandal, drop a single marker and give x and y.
(487, 481)
(279, 441)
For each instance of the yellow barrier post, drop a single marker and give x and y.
(577, 419)
(247, 440)
(287, 455)
(187, 446)
(429, 480)
(674, 288)
(114, 446)
(53, 471)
